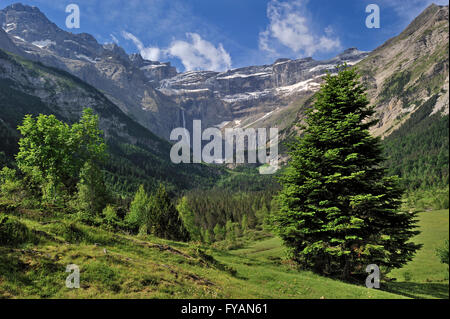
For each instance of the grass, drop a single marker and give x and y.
(268, 275)
(116, 265)
(425, 276)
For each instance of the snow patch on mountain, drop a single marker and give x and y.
(86, 58)
(308, 85)
(239, 75)
(9, 27)
(43, 43)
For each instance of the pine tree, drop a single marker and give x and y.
(244, 223)
(338, 211)
(165, 221)
(92, 195)
(138, 209)
(219, 232)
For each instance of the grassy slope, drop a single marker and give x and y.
(152, 268)
(425, 276)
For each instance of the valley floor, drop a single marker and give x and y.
(115, 265)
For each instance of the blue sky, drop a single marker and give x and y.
(224, 34)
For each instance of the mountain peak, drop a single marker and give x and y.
(23, 17)
(19, 7)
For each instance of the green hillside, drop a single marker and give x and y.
(116, 265)
(418, 150)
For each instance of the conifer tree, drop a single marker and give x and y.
(188, 218)
(165, 221)
(92, 195)
(138, 209)
(338, 211)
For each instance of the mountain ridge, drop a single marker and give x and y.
(154, 93)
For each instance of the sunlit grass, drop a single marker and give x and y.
(116, 265)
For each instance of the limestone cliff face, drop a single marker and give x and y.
(6, 43)
(409, 69)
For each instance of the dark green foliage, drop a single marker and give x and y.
(208, 211)
(72, 233)
(418, 150)
(395, 86)
(12, 232)
(156, 214)
(338, 211)
(164, 220)
(442, 253)
(92, 195)
(248, 179)
(14, 104)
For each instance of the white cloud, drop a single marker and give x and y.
(148, 53)
(197, 53)
(289, 28)
(115, 40)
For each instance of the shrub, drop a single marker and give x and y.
(442, 253)
(110, 215)
(407, 276)
(72, 233)
(10, 185)
(12, 232)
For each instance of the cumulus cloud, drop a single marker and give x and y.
(148, 53)
(194, 53)
(289, 28)
(197, 53)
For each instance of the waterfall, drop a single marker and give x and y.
(186, 136)
(184, 121)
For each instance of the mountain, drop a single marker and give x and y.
(153, 93)
(407, 74)
(408, 83)
(125, 80)
(244, 95)
(410, 69)
(137, 155)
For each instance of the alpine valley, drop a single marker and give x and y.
(232, 252)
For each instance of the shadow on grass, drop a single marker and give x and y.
(418, 290)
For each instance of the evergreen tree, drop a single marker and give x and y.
(219, 232)
(92, 195)
(338, 211)
(208, 237)
(230, 232)
(165, 221)
(139, 208)
(244, 223)
(188, 218)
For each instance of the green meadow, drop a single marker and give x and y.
(117, 265)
